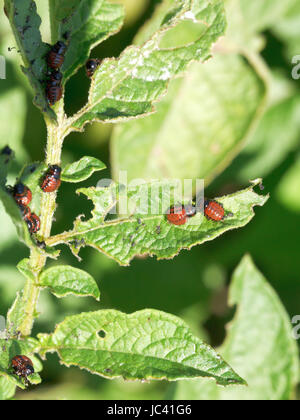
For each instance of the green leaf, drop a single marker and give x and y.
(240, 35)
(8, 232)
(266, 149)
(287, 29)
(17, 313)
(6, 157)
(151, 234)
(81, 170)
(60, 10)
(10, 282)
(127, 87)
(13, 113)
(89, 23)
(7, 389)
(248, 19)
(65, 280)
(288, 189)
(9, 203)
(195, 132)
(145, 345)
(25, 23)
(259, 344)
(30, 176)
(14, 212)
(9, 349)
(261, 15)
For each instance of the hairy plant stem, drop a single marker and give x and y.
(37, 261)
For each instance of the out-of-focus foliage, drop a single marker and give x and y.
(211, 108)
(265, 35)
(259, 338)
(193, 117)
(287, 28)
(288, 188)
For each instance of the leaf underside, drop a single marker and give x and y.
(127, 87)
(87, 24)
(81, 170)
(26, 23)
(65, 280)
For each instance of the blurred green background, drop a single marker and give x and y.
(194, 284)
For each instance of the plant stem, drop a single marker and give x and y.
(37, 261)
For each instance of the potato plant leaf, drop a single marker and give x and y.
(265, 149)
(195, 132)
(25, 23)
(10, 348)
(87, 23)
(6, 157)
(147, 233)
(259, 344)
(30, 176)
(11, 208)
(127, 87)
(81, 170)
(144, 345)
(13, 107)
(65, 280)
(17, 313)
(262, 15)
(7, 388)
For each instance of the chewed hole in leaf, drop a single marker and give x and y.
(101, 334)
(185, 33)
